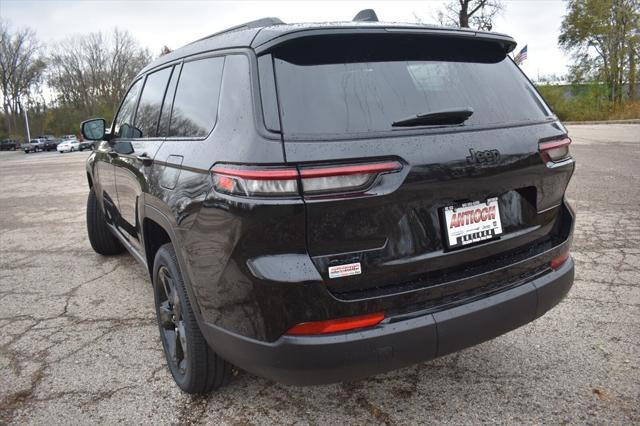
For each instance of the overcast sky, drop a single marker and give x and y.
(535, 23)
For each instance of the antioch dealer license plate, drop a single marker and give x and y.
(472, 222)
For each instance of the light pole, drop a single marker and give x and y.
(26, 121)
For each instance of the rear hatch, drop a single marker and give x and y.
(460, 197)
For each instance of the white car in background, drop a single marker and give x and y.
(69, 145)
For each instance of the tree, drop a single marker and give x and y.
(477, 14)
(92, 72)
(600, 36)
(21, 70)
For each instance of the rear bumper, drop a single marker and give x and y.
(307, 360)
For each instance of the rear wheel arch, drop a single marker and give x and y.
(155, 236)
(157, 231)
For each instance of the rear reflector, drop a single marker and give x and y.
(559, 261)
(336, 325)
(282, 182)
(555, 150)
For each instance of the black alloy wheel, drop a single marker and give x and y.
(171, 323)
(195, 367)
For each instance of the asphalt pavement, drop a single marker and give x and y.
(79, 342)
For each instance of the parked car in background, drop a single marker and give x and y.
(34, 145)
(69, 145)
(50, 144)
(9, 145)
(69, 137)
(86, 144)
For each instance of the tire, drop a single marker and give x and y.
(198, 369)
(101, 239)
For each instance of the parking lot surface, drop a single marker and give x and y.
(79, 342)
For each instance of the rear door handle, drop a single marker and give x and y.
(144, 159)
(113, 154)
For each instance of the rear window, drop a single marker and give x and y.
(364, 84)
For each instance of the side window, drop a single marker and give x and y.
(165, 115)
(268, 93)
(123, 127)
(148, 112)
(195, 107)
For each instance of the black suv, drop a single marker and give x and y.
(9, 145)
(321, 202)
(50, 144)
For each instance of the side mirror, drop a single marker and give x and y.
(94, 129)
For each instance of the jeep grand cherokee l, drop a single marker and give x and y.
(317, 203)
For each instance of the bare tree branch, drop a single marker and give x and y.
(477, 14)
(92, 72)
(21, 71)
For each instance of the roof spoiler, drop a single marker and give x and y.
(258, 23)
(366, 15)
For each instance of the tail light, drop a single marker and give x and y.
(285, 181)
(554, 150)
(557, 262)
(336, 325)
(264, 182)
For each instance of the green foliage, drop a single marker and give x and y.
(600, 35)
(586, 102)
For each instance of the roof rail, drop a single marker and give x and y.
(258, 23)
(366, 15)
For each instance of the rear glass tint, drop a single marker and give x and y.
(195, 107)
(165, 113)
(123, 127)
(150, 102)
(364, 87)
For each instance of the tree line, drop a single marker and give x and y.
(83, 76)
(603, 37)
(63, 83)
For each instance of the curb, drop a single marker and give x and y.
(629, 121)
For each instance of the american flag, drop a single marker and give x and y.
(520, 57)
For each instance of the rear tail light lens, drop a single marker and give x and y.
(555, 150)
(353, 178)
(283, 182)
(559, 261)
(336, 325)
(252, 182)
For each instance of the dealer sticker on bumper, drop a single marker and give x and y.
(472, 222)
(344, 270)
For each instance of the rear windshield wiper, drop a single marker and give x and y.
(436, 118)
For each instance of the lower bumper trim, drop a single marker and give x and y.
(309, 360)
